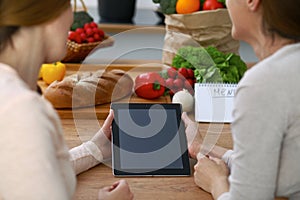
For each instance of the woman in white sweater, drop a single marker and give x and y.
(35, 161)
(265, 159)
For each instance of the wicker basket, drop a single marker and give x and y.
(78, 52)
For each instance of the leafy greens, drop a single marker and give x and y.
(210, 65)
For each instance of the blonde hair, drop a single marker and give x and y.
(15, 14)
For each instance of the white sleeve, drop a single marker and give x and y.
(227, 158)
(29, 165)
(257, 134)
(224, 196)
(85, 156)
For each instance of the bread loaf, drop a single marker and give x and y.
(89, 89)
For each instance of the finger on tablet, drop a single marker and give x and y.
(186, 118)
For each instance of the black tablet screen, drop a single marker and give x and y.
(149, 139)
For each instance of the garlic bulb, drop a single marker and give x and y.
(185, 99)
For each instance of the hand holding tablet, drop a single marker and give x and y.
(149, 140)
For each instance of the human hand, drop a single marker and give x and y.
(103, 137)
(194, 137)
(119, 190)
(211, 174)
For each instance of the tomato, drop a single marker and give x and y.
(190, 73)
(94, 25)
(90, 39)
(188, 83)
(101, 33)
(170, 83)
(212, 5)
(183, 72)
(172, 73)
(89, 33)
(97, 37)
(53, 72)
(149, 85)
(74, 36)
(178, 83)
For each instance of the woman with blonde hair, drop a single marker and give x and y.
(35, 162)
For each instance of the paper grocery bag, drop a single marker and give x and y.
(202, 28)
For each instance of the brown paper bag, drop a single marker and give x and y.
(202, 28)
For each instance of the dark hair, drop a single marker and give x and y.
(5, 35)
(282, 18)
(15, 13)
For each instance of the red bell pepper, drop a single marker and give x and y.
(149, 85)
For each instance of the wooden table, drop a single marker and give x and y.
(84, 125)
(143, 187)
(80, 125)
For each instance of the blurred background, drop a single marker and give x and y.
(139, 3)
(143, 39)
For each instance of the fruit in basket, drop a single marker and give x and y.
(90, 32)
(187, 6)
(52, 72)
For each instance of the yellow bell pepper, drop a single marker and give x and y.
(52, 72)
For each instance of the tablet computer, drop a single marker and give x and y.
(149, 140)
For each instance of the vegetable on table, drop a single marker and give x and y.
(149, 85)
(210, 64)
(223, 2)
(52, 72)
(185, 99)
(212, 5)
(167, 6)
(178, 79)
(190, 57)
(188, 6)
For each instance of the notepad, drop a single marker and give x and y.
(214, 102)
